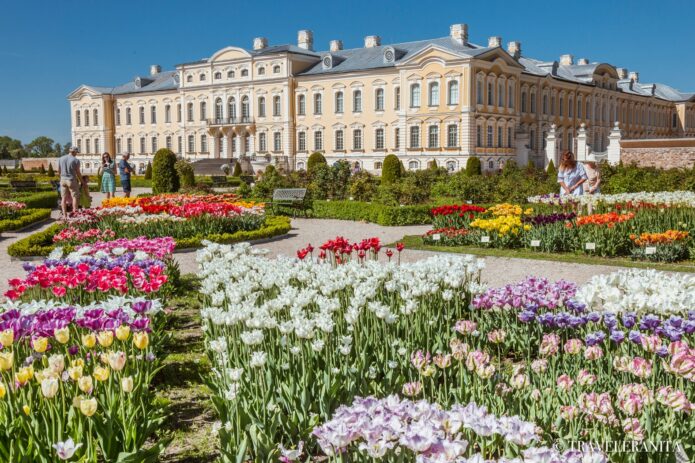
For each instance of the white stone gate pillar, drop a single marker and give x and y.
(613, 149)
(551, 146)
(582, 147)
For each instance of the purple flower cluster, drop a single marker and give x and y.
(94, 263)
(533, 293)
(547, 219)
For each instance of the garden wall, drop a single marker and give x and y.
(662, 153)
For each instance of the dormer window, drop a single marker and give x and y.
(244, 73)
(261, 71)
(218, 75)
(189, 78)
(230, 74)
(202, 77)
(276, 69)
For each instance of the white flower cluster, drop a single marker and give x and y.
(147, 218)
(78, 254)
(118, 210)
(640, 291)
(665, 198)
(112, 303)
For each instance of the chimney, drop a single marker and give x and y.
(582, 61)
(622, 73)
(372, 41)
(336, 45)
(459, 33)
(634, 76)
(155, 69)
(259, 43)
(567, 60)
(494, 41)
(305, 39)
(514, 49)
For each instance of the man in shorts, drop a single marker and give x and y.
(70, 180)
(124, 170)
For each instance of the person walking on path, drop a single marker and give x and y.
(108, 175)
(571, 176)
(70, 180)
(124, 170)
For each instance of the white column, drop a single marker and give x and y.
(613, 149)
(522, 150)
(582, 147)
(551, 147)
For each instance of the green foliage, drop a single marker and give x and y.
(237, 169)
(165, 178)
(37, 200)
(629, 178)
(269, 182)
(316, 159)
(25, 218)
(42, 170)
(432, 164)
(372, 212)
(21, 168)
(4, 170)
(51, 173)
(148, 171)
(363, 186)
(551, 170)
(41, 147)
(244, 190)
(473, 166)
(391, 170)
(36, 244)
(184, 169)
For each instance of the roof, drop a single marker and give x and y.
(167, 80)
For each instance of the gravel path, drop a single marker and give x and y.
(498, 270)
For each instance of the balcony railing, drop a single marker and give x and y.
(230, 121)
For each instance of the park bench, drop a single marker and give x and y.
(218, 181)
(23, 185)
(293, 198)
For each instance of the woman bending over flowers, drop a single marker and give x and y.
(571, 176)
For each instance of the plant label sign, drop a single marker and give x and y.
(484, 239)
(436, 237)
(590, 246)
(650, 250)
(535, 243)
(469, 202)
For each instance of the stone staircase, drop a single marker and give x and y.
(212, 166)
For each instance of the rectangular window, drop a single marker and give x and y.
(178, 113)
(397, 98)
(397, 138)
(339, 142)
(189, 114)
(523, 102)
(490, 94)
(479, 136)
(379, 139)
(301, 105)
(318, 104)
(509, 137)
(86, 117)
(379, 101)
(191, 144)
(533, 103)
(357, 101)
(262, 142)
(570, 142)
(203, 111)
(277, 141)
(318, 140)
(118, 146)
(153, 115)
(339, 103)
(142, 145)
(277, 109)
(301, 141)
(78, 118)
(510, 97)
(490, 136)
(479, 92)
(357, 139)
(79, 145)
(129, 144)
(167, 114)
(570, 108)
(118, 117)
(552, 106)
(96, 117)
(179, 144)
(415, 96)
(532, 141)
(142, 115)
(499, 137)
(500, 95)
(415, 137)
(154, 144)
(433, 138)
(261, 107)
(88, 146)
(96, 145)
(452, 139)
(561, 107)
(204, 143)
(168, 143)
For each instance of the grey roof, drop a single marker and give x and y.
(167, 80)
(357, 59)
(285, 49)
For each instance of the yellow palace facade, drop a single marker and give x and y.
(442, 99)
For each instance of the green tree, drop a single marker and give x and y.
(21, 168)
(5, 152)
(237, 169)
(10, 145)
(473, 166)
(315, 159)
(57, 150)
(551, 170)
(40, 147)
(391, 169)
(184, 169)
(148, 171)
(42, 170)
(51, 173)
(66, 148)
(165, 179)
(432, 164)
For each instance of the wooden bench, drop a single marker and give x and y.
(23, 185)
(294, 198)
(219, 181)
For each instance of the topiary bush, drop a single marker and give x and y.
(165, 179)
(473, 166)
(551, 170)
(237, 169)
(185, 171)
(148, 171)
(316, 159)
(391, 170)
(51, 173)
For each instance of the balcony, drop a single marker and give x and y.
(216, 122)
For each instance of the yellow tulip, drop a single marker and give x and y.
(116, 360)
(26, 409)
(141, 340)
(75, 373)
(24, 374)
(123, 332)
(105, 338)
(40, 345)
(101, 374)
(3, 390)
(127, 384)
(88, 407)
(77, 400)
(85, 384)
(77, 362)
(56, 363)
(89, 340)
(62, 335)
(6, 360)
(7, 337)
(49, 387)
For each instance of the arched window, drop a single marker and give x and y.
(434, 94)
(453, 92)
(203, 110)
(95, 119)
(479, 136)
(231, 107)
(78, 118)
(167, 114)
(276, 69)
(588, 109)
(261, 71)
(218, 75)
(357, 101)
(244, 73)
(219, 111)
(433, 137)
(491, 164)
(339, 102)
(339, 141)
(261, 106)
(245, 110)
(378, 165)
(500, 141)
(142, 114)
(415, 96)
(179, 113)
(357, 139)
(301, 105)
(96, 146)
(189, 78)
(189, 112)
(451, 166)
(128, 116)
(413, 165)
(570, 107)
(379, 139)
(230, 74)
(203, 77)
(129, 145)
(277, 108)
(379, 99)
(300, 165)
(143, 146)
(86, 117)
(318, 103)
(509, 137)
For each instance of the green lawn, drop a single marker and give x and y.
(415, 242)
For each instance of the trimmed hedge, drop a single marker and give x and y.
(26, 218)
(40, 200)
(372, 212)
(41, 243)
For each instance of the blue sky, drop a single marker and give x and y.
(48, 48)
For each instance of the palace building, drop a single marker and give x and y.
(442, 99)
